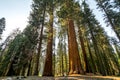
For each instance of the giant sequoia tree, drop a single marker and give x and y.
(67, 33)
(74, 58)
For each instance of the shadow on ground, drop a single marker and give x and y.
(80, 77)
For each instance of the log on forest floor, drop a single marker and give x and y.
(80, 77)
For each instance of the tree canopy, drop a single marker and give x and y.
(63, 37)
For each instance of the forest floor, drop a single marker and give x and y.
(72, 77)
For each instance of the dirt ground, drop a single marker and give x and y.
(78, 77)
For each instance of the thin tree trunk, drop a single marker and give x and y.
(39, 45)
(66, 65)
(10, 71)
(48, 61)
(117, 50)
(21, 70)
(29, 67)
(106, 60)
(31, 73)
(10, 66)
(62, 63)
(83, 51)
(97, 53)
(54, 63)
(93, 62)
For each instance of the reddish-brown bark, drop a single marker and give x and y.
(74, 58)
(48, 62)
(83, 51)
(39, 45)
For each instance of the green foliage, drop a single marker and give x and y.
(68, 12)
(111, 15)
(2, 25)
(102, 57)
(117, 4)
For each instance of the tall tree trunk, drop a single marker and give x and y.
(10, 71)
(48, 61)
(117, 50)
(39, 45)
(32, 63)
(106, 59)
(10, 67)
(83, 51)
(75, 66)
(101, 66)
(66, 63)
(62, 62)
(29, 67)
(92, 60)
(54, 57)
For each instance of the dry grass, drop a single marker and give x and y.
(70, 77)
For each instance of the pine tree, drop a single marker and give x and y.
(110, 15)
(38, 19)
(2, 25)
(48, 71)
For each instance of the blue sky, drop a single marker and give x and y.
(16, 13)
(99, 17)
